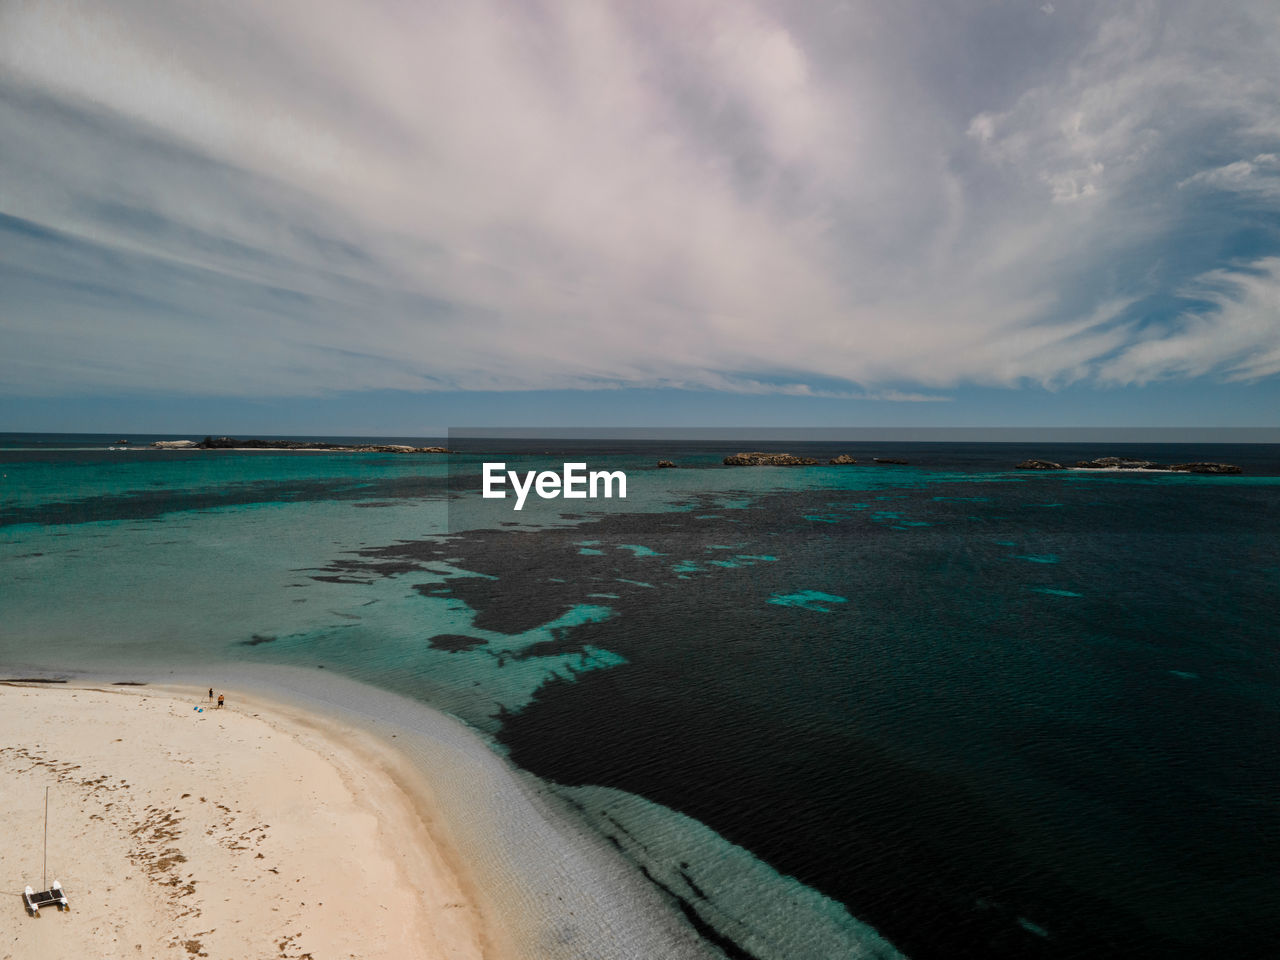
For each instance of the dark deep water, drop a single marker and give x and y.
(994, 714)
(1054, 702)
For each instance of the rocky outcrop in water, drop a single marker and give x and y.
(231, 443)
(665, 465)
(1132, 463)
(843, 460)
(1206, 468)
(898, 461)
(758, 459)
(175, 444)
(1119, 463)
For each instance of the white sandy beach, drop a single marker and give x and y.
(254, 830)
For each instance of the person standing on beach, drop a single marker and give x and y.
(219, 701)
(211, 693)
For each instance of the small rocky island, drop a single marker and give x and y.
(231, 443)
(758, 459)
(1119, 463)
(1131, 463)
(1206, 468)
(665, 465)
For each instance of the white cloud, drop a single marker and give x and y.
(1152, 80)
(1237, 331)
(1261, 175)
(301, 196)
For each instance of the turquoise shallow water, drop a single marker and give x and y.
(990, 713)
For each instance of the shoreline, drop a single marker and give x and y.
(506, 871)
(187, 833)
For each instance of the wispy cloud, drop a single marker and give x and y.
(297, 197)
(1261, 175)
(1237, 331)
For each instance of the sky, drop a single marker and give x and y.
(391, 217)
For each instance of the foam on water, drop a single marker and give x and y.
(736, 899)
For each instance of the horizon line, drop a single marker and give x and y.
(1011, 434)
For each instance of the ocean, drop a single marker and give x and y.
(986, 712)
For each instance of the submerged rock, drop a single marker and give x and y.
(842, 460)
(1039, 465)
(758, 459)
(895, 460)
(455, 642)
(1206, 468)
